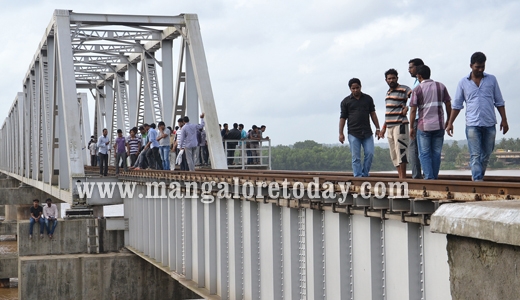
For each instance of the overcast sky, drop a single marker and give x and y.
(286, 64)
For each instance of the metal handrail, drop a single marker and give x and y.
(263, 160)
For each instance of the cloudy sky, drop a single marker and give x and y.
(286, 64)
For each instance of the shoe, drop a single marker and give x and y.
(41, 235)
(30, 236)
(50, 236)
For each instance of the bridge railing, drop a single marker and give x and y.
(248, 153)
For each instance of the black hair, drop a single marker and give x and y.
(225, 124)
(119, 131)
(176, 127)
(181, 119)
(478, 57)
(186, 119)
(105, 129)
(352, 81)
(424, 71)
(36, 200)
(391, 72)
(241, 125)
(161, 123)
(48, 199)
(416, 62)
(235, 125)
(255, 127)
(141, 128)
(152, 125)
(263, 126)
(169, 128)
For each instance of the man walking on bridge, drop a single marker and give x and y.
(427, 101)
(102, 144)
(189, 140)
(396, 121)
(357, 108)
(482, 94)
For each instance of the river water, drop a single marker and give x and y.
(9, 245)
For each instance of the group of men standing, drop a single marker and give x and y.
(419, 138)
(150, 149)
(239, 135)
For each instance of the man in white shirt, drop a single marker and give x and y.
(50, 214)
(102, 145)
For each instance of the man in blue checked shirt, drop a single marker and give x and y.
(482, 94)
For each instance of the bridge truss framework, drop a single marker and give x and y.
(127, 64)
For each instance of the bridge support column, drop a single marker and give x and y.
(11, 213)
(23, 212)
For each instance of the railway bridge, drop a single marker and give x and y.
(227, 234)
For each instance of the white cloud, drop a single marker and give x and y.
(304, 45)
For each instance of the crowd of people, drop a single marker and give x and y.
(238, 136)
(162, 147)
(418, 139)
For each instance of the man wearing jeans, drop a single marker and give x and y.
(413, 151)
(356, 109)
(120, 151)
(481, 93)
(50, 213)
(164, 145)
(36, 217)
(427, 99)
(189, 140)
(102, 144)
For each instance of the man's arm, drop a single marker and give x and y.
(341, 127)
(448, 111)
(413, 113)
(45, 213)
(504, 127)
(373, 116)
(453, 115)
(201, 125)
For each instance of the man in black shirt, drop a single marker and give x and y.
(36, 216)
(235, 135)
(355, 111)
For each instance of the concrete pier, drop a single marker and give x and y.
(95, 276)
(61, 269)
(9, 228)
(483, 248)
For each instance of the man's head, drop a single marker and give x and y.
(180, 121)
(152, 125)
(391, 78)
(170, 128)
(36, 202)
(478, 64)
(240, 126)
(226, 126)
(235, 125)
(119, 133)
(186, 119)
(262, 128)
(355, 87)
(162, 125)
(423, 72)
(176, 127)
(142, 130)
(92, 138)
(49, 202)
(133, 132)
(413, 64)
(105, 132)
(255, 128)
(146, 127)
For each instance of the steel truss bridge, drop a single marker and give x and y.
(236, 247)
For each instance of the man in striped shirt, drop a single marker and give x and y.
(396, 121)
(427, 99)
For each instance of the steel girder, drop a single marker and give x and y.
(115, 56)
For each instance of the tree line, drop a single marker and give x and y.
(312, 156)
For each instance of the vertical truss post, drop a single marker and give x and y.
(72, 144)
(167, 79)
(36, 122)
(133, 101)
(84, 126)
(205, 92)
(180, 98)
